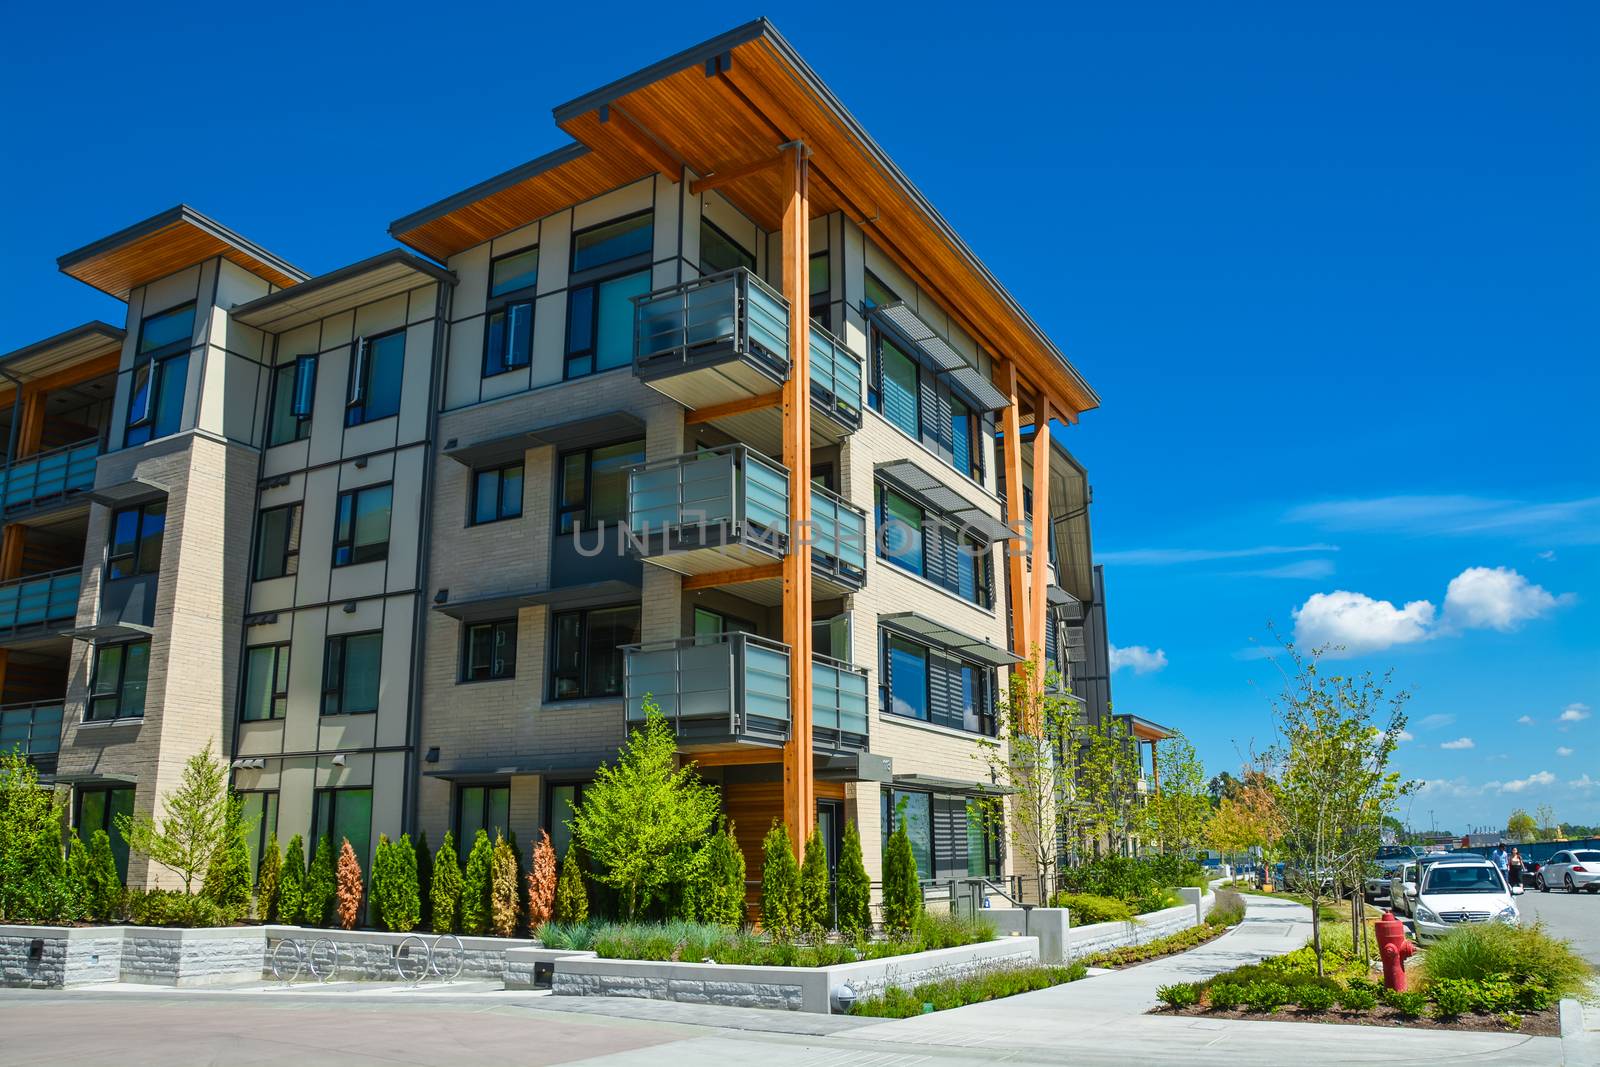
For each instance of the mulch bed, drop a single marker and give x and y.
(1534, 1023)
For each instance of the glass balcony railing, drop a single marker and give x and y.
(838, 538)
(838, 705)
(34, 728)
(710, 320)
(835, 378)
(714, 497)
(40, 599)
(49, 475)
(712, 687)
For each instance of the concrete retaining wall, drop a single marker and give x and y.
(70, 956)
(1102, 937)
(520, 964)
(785, 988)
(368, 955)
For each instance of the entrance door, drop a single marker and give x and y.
(830, 820)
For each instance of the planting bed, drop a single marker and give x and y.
(1545, 1023)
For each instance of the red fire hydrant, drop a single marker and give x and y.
(1394, 949)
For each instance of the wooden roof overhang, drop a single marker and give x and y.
(53, 355)
(385, 274)
(164, 244)
(723, 110)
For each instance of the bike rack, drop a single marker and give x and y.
(426, 955)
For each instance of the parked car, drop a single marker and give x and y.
(1388, 860)
(1572, 870)
(1455, 890)
(1530, 873)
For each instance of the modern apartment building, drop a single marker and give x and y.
(708, 409)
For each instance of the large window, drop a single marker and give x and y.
(899, 390)
(136, 534)
(121, 673)
(719, 252)
(922, 683)
(361, 531)
(376, 367)
(489, 651)
(914, 811)
(900, 539)
(964, 437)
(481, 807)
(344, 815)
(907, 670)
(594, 486)
(948, 838)
(508, 320)
(294, 387)
(351, 674)
(934, 548)
(600, 302)
(266, 682)
(586, 651)
(98, 809)
(160, 375)
(563, 803)
(260, 811)
(278, 542)
(497, 494)
(821, 290)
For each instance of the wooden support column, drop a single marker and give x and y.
(1041, 538)
(1011, 443)
(1155, 769)
(14, 541)
(799, 798)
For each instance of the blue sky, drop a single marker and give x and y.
(1333, 273)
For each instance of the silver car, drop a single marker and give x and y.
(1572, 870)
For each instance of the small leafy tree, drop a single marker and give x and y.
(227, 882)
(194, 822)
(780, 884)
(475, 885)
(1521, 827)
(104, 887)
(34, 882)
(292, 885)
(1108, 784)
(320, 885)
(902, 893)
(504, 893)
(542, 883)
(347, 896)
(1180, 806)
(722, 901)
(814, 917)
(269, 881)
(404, 910)
(424, 859)
(855, 888)
(572, 895)
(645, 820)
(444, 897)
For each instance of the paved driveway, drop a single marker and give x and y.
(1574, 916)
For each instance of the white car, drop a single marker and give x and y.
(1456, 891)
(1572, 870)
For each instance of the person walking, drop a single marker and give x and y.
(1499, 857)
(1514, 868)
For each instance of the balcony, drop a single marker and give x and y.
(35, 729)
(722, 342)
(39, 603)
(49, 477)
(722, 689)
(838, 543)
(713, 510)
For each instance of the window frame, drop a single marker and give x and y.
(289, 373)
(281, 662)
(547, 809)
(464, 670)
(290, 563)
(354, 495)
(334, 688)
(591, 279)
(971, 555)
(458, 808)
(553, 676)
(261, 832)
(499, 472)
(562, 510)
(108, 814)
(329, 796)
(156, 364)
(140, 538)
(117, 693)
(359, 385)
(705, 224)
(985, 703)
(502, 303)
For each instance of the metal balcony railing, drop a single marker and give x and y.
(712, 686)
(835, 378)
(733, 313)
(838, 705)
(34, 728)
(838, 538)
(40, 599)
(49, 475)
(724, 494)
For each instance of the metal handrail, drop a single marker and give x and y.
(833, 717)
(732, 308)
(835, 376)
(840, 534)
(40, 598)
(686, 510)
(10, 718)
(76, 458)
(735, 685)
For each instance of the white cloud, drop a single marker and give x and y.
(1540, 778)
(1585, 783)
(1403, 736)
(1138, 657)
(1433, 722)
(1163, 557)
(1525, 720)
(1458, 743)
(1548, 554)
(1574, 713)
(1306, 568)
(1448, 787)
(1358, 623)
(1557, 521)
(1563, 751)
(1498, 598)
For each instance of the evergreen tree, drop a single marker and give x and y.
(855, 888)
(227, 883)
(424, 865)
(572, 896)
(292, 884)
(780, 884)
(542, 883)
(269, 881)
(444, 895)
(378, 884)
(902, 894)
(505, 894)
(78, 871)
(404, 910)
(347, 894)
(722, 899)
(475, 884)
(105, 888)
(814, 917)
(34, 887)
(320, 885)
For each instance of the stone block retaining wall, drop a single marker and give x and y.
(368, 955)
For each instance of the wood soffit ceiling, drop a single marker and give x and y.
(726, 106)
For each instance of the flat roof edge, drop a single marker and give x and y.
(504, 180)
(164, 219)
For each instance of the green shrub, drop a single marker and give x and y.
(444, 894)
(77, 868)
(898, 1003)
(1452, 997)
(475, 885)
(269, 880)
(1225, 996)
(780, 884)
(104, 888)
(317, 901)
(814, 911)
(1161, 946)
(394, 893)
(1266, 996)
(936, 931)
(34, 882)
(174, 907)
(1535, 996)
(505, 889)
(227, 881)
(1087, 909)
(573, 937)
(1411, 1004)
(1227, 909)
(1358, 999)
(1179, 996)
(1131, 880)
(424, 859)
(572, 894)
(902, 893)
(721, 899)
(1314, 998)
(854, 891)
(292, 884)
(1486, 950)
(1510, 1020)
(377, 892)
